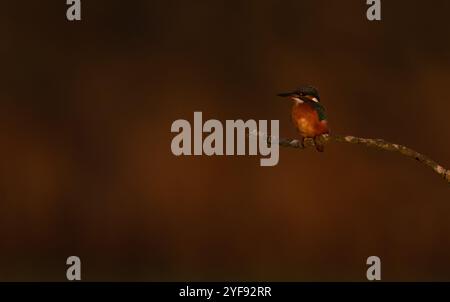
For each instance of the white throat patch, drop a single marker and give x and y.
(297, 100)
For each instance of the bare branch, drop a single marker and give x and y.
(375, 143)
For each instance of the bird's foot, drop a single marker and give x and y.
(302, 142)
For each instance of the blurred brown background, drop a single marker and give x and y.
(86, 167)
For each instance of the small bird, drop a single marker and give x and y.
(308, 115)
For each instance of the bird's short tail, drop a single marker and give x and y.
(319, 145)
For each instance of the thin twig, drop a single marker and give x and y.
(375, 143)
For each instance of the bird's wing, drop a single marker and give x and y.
(320, 110)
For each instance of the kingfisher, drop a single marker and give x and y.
(308, 114)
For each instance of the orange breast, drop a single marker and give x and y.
(307, 121)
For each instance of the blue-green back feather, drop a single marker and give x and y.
(320, 110)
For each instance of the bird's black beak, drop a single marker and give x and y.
(286, 94)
